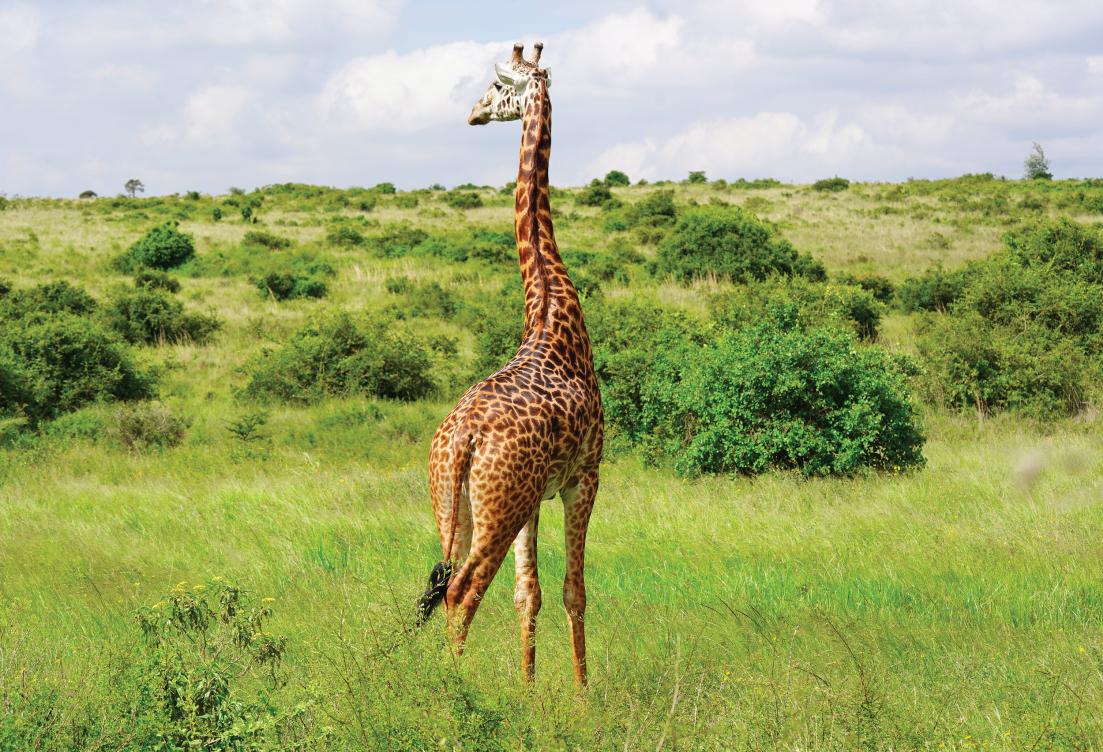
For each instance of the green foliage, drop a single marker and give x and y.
(1024, 333)
(425, 299)
(247, 428)
(199, 643)
(143, 425)
(344, 236)
(397, 239)
(697, 178)
(729, 242)
(149, 316)
(595, 195)
(463, 200)
(50, 365)
(266, 240)
(777, 396)
(387, 189)
(810, 304)
(626, 334)
(834, 184)
(216, 214)
(155, 280)
(162, 247)
(881, 287)
(407, 201)
(47, 298)
(335, 355)
(935, 290)
(498, 322)
(616, 177)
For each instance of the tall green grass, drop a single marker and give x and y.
(959, 606)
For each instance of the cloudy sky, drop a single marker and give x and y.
(207, 94)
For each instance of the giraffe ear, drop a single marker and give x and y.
(508, 76)
(547, 77)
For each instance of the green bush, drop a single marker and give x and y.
(1025, 332)
(776, 396)
(935, 290)
(462, 200)
(344, 236)
(729, 242)
(626, 334)
(834, 184)
(149, 316)
(144, 425)
(162, 247)
(616, 177)
(266, 240)
(811, 304)
(46, 298)
(335, 356)
(50, 365)
(397, 239)
(155, 280)
(410, 201)
(595, 195)
(881, 287)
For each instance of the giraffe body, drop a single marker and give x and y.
(535, 428)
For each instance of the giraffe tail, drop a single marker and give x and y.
(438, 586)
(442, 572)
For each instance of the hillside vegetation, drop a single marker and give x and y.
(850, 496)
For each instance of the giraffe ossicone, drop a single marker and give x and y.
(530, 431)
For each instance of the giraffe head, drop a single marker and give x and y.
(508, 96)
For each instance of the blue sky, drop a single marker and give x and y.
(204, 95)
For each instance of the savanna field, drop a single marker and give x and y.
(852, 495)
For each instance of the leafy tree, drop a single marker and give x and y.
(88, 194)
(616, 177)
(697, 177)
(1036, 166)
(134, 186)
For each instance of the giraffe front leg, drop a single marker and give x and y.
(578, 503)
(526, 596)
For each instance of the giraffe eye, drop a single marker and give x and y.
(497, 86)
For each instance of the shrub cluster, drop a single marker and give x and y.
(1025, 330)
(148, 316)
(730, 243)
(768, 393)
(162, 247)
(777, 396)
(834, 184)
(334, 355)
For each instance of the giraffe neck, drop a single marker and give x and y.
(550, 297)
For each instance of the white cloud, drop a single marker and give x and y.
(18, 28)
(770, 143)
(212, 115)
(620, 50)
(137, 77)
(246, 21)
(1095, 63)
(412, 92)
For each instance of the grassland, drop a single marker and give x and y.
(957, 607)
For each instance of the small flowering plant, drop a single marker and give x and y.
(200, 640)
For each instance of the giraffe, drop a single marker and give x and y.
(530, 431)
